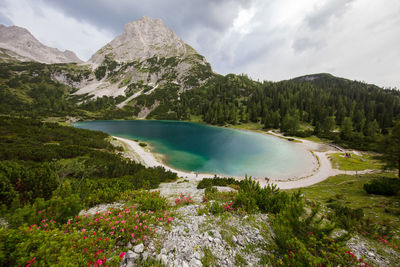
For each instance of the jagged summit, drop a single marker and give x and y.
(20, 41)
(143, 39)
(146, 58)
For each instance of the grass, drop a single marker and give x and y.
(355, 163)
(349, 190)
(240, 261)
(209, 259)
(246, 126)
(316, 139)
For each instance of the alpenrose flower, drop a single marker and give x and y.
(97, 238)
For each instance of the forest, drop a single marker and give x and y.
(350, 113)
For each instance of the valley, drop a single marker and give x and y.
(181, 166)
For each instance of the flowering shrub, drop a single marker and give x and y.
(84, 240)
(183, 200)
(228, 206)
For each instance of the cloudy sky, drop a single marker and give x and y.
(266, 39)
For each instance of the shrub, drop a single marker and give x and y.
(146, 200)
(252, 197)
(383, 186)
(346, 217)
(216, 181)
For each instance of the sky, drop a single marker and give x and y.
(266, 39)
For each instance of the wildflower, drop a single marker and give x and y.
(111, 233)
(123, 222)
(122, 255)
(99, 262)
(132, 235)
(32, 261)
(94, 233)
(39, 211)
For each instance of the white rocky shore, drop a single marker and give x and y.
(322, 169)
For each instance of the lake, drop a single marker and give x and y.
(201, 148)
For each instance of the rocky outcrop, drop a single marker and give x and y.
(195, 239)
(146, 54)
(27, 48)
(143, 39)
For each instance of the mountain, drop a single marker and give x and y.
(18, 43)
(147, 57)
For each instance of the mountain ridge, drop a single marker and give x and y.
(20, 41)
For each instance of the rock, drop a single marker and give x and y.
(145, 255)
(195, 263)
(164, 259)
(198, 255)
(130, 259)
(129, 246)
(16, 39)
(185, 264)
(210, 239)
(234, 239)
(240, 240)
(138, 248)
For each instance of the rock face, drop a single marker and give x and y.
(143, 39)
(147, 55)
(19, 41)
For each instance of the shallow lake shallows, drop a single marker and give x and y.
(207, 149)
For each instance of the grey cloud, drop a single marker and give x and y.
(306, 43)
(181, 15)
(330, 9)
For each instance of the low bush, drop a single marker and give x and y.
(82, 241)
(252, 197)
(383, 186)
(346, 217)
(217, 181)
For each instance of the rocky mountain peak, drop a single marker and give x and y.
(143, 39)
(20, 41)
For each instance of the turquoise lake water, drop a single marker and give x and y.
(207, 149)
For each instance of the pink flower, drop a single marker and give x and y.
(123, 222)
(39, 211)
(122, 230)
(132, 235)
(94, 233)
(111, 233)
(122, 255)
(99, 262)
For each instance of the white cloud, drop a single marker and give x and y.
(271, 40)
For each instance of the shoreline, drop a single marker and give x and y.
(149, 159)
(322, 171)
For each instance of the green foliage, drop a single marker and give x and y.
(81, 241)
(391, 149)
(252, 197)
(142, 144)
(145, 200)
(383, 186)
(100, 72)
(217, 181)
(346, 217)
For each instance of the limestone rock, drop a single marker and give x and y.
(21, 42)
